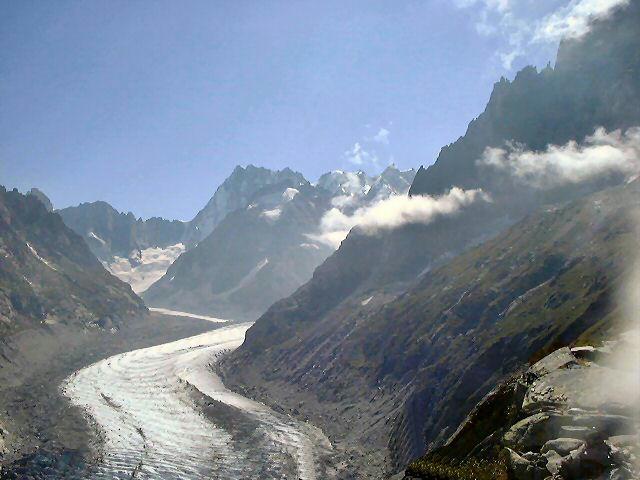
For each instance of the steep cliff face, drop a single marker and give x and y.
(136, 251)
(403, 373)
(110, 233)
(266, 249)
(398, 334)
(48, 275)
(595, 82)
(40, 195)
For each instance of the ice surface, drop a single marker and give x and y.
(272, 214)
(141, 403)
(289, 194)
(176, 313)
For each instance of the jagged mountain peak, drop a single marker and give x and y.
(40, 195)
(594, 83)
(236, 192)
(135, 250)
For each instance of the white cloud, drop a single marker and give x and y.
(357, 155)
(366, 153)
(573, 19)
(523, 27)
(601, 154)
(382, 136)
(394, 212)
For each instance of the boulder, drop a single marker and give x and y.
(533, 432)
(523, 469)
(563, 446)
(559, 359)
(555, 462)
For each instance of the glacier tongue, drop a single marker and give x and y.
(143, 402)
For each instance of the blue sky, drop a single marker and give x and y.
(150, 105)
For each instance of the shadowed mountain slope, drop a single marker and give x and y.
(255, 256)
(396, 337)
(265, 250)
(234, 193)
(48, 274)
(415, 365)
(595, 83)
(110, 233)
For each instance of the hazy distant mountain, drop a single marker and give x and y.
(137, 251)
(397, 334)
(264, 251)
(254, 256)
(48, 275)
(354, 189)
(234, 193)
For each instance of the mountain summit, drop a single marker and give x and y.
(234, 193)
(265, 250)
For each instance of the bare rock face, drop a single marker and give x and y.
(574, 428)
(235, 193)
(265, 239)
(594, 83)
(589, 435)
(112, 234)
(398, 336)
(48, 274)
(39, 194)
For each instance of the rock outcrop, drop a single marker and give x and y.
(255, 256)
(571, 415)
(595, 82)
(112, 234)
(39, 194)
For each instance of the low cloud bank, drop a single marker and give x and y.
(394, 212)
(600, 154)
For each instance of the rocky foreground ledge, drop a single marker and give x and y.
(575, 414)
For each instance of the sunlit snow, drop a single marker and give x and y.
(142, 269)
(272, 214)
(96, 237)
(35, 253)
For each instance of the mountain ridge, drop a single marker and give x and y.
(240, 271)
(351, 347)
(41, 254)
